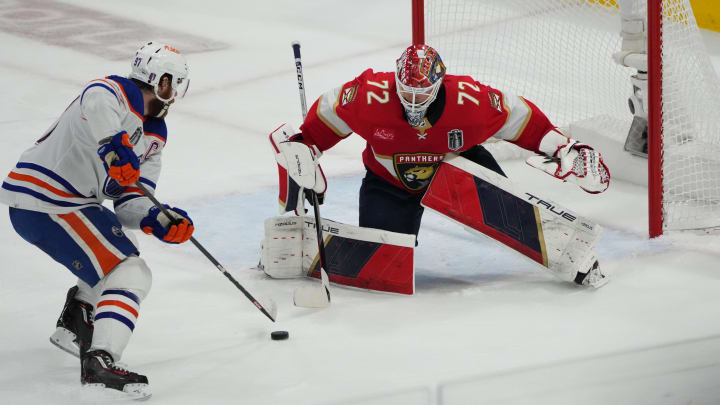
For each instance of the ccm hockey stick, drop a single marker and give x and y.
(311, 297)
(270, 309)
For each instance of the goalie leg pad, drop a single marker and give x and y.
(489, 204)
(358, 257)
(281, 251)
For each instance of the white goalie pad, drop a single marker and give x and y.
(281, 251)
(358, 257)
(487, 203)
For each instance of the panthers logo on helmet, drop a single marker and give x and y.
(420, 66)
(415, 170)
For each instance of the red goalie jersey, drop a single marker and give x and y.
(465, 114)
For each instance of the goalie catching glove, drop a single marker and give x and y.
(570, 160)
(177, 230)
(298, 169)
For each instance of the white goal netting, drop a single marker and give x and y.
(558, 54)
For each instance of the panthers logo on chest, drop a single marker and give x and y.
(415, 170)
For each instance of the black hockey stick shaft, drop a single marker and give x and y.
(204, 251)
(318, 229)
(316, 201)
(300, 80)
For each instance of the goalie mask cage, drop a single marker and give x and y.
(558, 53)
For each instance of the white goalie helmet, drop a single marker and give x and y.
(418, 76)
(155, 59)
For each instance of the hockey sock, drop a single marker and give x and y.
(115, 317)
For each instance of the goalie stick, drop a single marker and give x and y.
(269, 309)
(311, 297)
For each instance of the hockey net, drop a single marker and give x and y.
(558, 53)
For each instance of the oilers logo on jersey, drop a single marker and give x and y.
(415, 170)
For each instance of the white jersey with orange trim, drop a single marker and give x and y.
(62, 172)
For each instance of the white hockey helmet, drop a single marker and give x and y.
(418, 76)
(155, 59)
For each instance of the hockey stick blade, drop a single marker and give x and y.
(311, 297)
(270, 307)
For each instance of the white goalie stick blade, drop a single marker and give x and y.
(313, 297)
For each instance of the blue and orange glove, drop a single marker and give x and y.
(119, 160)
(177, 230)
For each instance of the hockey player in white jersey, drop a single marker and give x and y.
(110, 137)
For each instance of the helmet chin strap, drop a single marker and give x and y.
(163, 111)
(166, 103)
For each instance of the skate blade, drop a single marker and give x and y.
(65, 341)
(99, 392)
(595, 277)
(600, 282)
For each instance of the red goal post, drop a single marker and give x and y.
(655, 139)
(558, 53)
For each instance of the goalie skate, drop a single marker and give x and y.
(593, 277)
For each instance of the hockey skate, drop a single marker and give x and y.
(592, 278)
(98, 369)
(74, 326)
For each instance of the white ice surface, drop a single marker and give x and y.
(484, 325)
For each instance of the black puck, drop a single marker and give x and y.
(279, 335)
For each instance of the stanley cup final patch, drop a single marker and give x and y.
(455, 139)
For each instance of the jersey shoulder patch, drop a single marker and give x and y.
(354, 95)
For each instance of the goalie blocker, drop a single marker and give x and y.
(487, 203)
(357, 257)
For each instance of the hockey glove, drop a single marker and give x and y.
(120, 162)
(177, 230)
(298, 169)
(577, 163)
